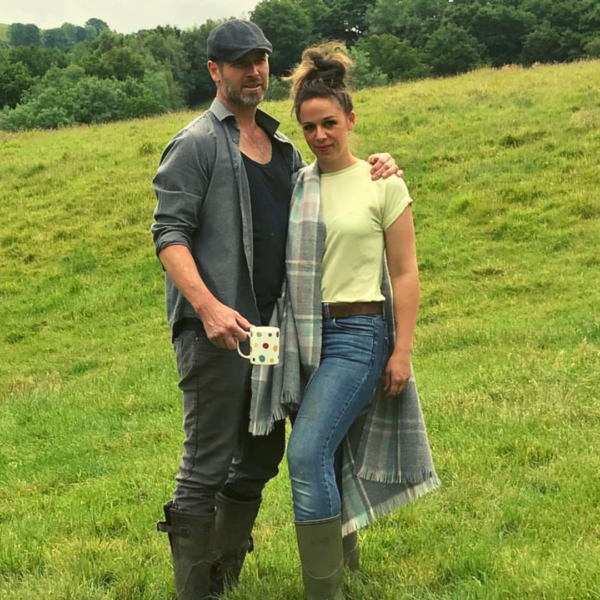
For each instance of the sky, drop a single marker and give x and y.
(123, 16)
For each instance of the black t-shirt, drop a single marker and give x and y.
(270, 193)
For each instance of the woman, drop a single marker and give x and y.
(364, 221)
(358, 448)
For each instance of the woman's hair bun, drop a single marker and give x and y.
(328, 63)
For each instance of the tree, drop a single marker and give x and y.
(166, 46)
(396, 58)
(502, 30)
(107, 40)
(90, 33)
(590, 19)
(279, 89)
(572, 44)
(413, 20)
(462, 14)
(452, 50)
(575, 21)
(288, 27)
(24, 35)
(200, 86)
(317, 11)
(345, 20)
(97, 24)
(543, 45)
(55, 38)
(156, 81)
(15, 79)
(122, 63)
(67, 97)
(81, 34)
(592, 48)
(119, 62)
(70, 32)
(38, 60)
(74, 33)
(364, 74)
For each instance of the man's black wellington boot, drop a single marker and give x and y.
(191, 539)
(232, 540)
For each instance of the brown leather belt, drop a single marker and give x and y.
(338, 310)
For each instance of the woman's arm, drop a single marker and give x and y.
(404, 273)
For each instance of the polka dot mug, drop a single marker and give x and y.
(264, 346)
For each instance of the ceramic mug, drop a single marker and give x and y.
(264, 346)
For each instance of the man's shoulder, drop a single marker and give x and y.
(283, 138)
(204, 125)
(200, 137)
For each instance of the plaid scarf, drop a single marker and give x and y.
(386, 459)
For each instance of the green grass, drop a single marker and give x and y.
(503, 166)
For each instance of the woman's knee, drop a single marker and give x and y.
(302, 456)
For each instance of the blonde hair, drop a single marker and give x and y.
(322, 73)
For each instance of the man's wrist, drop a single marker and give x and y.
(204, 304)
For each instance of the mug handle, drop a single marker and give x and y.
(240, 352)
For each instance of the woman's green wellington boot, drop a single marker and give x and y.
(322, 557)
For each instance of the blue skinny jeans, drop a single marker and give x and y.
(353, 355)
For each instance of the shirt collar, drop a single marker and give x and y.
(268, 123)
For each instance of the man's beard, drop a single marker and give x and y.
(237, 96)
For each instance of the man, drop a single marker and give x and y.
(223, 189)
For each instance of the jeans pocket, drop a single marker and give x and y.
(185, 352)
(362, 325)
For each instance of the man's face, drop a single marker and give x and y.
(245, 81)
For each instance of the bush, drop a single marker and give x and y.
(543, 45)
(396, 58)
(98, 101)
(68, 97)
(156, 83)
(141, 101)
(592, 48)
(15, 80)
(278, 89)
(364, 74)
(452, 49)
(29, 116)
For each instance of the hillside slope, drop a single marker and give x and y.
(503, 167)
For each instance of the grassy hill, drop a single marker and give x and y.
(3, 32)
(503, 166)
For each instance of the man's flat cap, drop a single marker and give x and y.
(232, 39)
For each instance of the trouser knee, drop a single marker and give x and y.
(301, 457)
(215, 385)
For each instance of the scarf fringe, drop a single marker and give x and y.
(407, 477)
(281, 412)
(391, 505)
(291, 400)
(263, 427)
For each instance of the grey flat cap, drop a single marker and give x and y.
(232, 39)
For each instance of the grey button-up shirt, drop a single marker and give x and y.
(203, 203)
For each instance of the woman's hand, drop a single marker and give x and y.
(397, 372)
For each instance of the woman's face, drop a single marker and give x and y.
(326, 126)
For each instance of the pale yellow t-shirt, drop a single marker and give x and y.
(356, 212)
